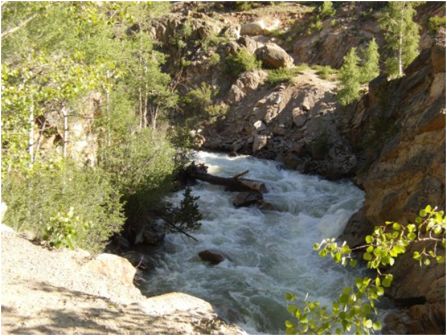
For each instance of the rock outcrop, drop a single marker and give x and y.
(295, 123)
(398, 133)
(71, 292)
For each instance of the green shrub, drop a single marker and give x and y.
(435, 23)
(187, 216)
(240, 62)
(142, 162)
(327, 9)
(214, 58)
(198, 100)
(326, 71)
(281, 75)
(39, 200)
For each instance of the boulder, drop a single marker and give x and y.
(259, 125)
(244, 199)
(273, 56)
(212, 256)
(259, 141)
(113, 268)
(261, 26)
(247, 83)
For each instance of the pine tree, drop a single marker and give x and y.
(349, 78)
(401, 34)
(370, 68)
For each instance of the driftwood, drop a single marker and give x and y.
(235, 183)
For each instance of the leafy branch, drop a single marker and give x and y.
(355, 309)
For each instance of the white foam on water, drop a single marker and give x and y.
(270, 252)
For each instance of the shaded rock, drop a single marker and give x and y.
(151, 234)
(259, 141)
(243, 199)
(274, 57)
(212, 256)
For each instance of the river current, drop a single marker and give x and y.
(269, 252)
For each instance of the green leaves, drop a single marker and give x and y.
(355, 306)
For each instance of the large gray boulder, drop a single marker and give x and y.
(273, 56)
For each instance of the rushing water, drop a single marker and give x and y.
(269, 252)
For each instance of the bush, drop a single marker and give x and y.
(64, 204)
(327, 9)
(240, 62)
(281, 75)
(435, 23)
(142, 162)
(326, 72)
(198, 100)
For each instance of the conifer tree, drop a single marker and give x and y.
(349, 78)
(401, 34)
(370, 68)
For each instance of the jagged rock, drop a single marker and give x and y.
(244, 199)
(259, 126)
(212, 256)
(248, 82)
(274, 57)
(259, 141)
(151, 234)
(250, 44)
(260, 26)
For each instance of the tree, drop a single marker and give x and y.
(370, 68)
(355, 308)
(349, 78)
(401, 35)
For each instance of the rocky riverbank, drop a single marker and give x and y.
(71, 292)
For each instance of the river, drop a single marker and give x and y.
(269, 252)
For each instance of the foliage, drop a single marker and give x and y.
(214, 58)
(401, 35)
(198, 100)
(349, 76)
(38, 199)
(356, 306)
(327, 9)
(281, 75)
(142, 161)
(435, 23)
(326, 71)
(370, 68)
(240, 62)
(62, 229)
(187, 216)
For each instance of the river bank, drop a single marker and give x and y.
(70, 292)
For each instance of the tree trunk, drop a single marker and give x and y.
(108, 117)
(401, 28)
(235, 183)
(65, 114)
(140, 107)
(39, 139)
(31, 133)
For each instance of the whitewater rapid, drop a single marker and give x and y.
(269, 252)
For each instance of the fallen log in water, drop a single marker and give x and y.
(235, 183)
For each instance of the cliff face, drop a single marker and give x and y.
(398, 133)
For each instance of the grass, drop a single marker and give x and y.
(282, 75)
